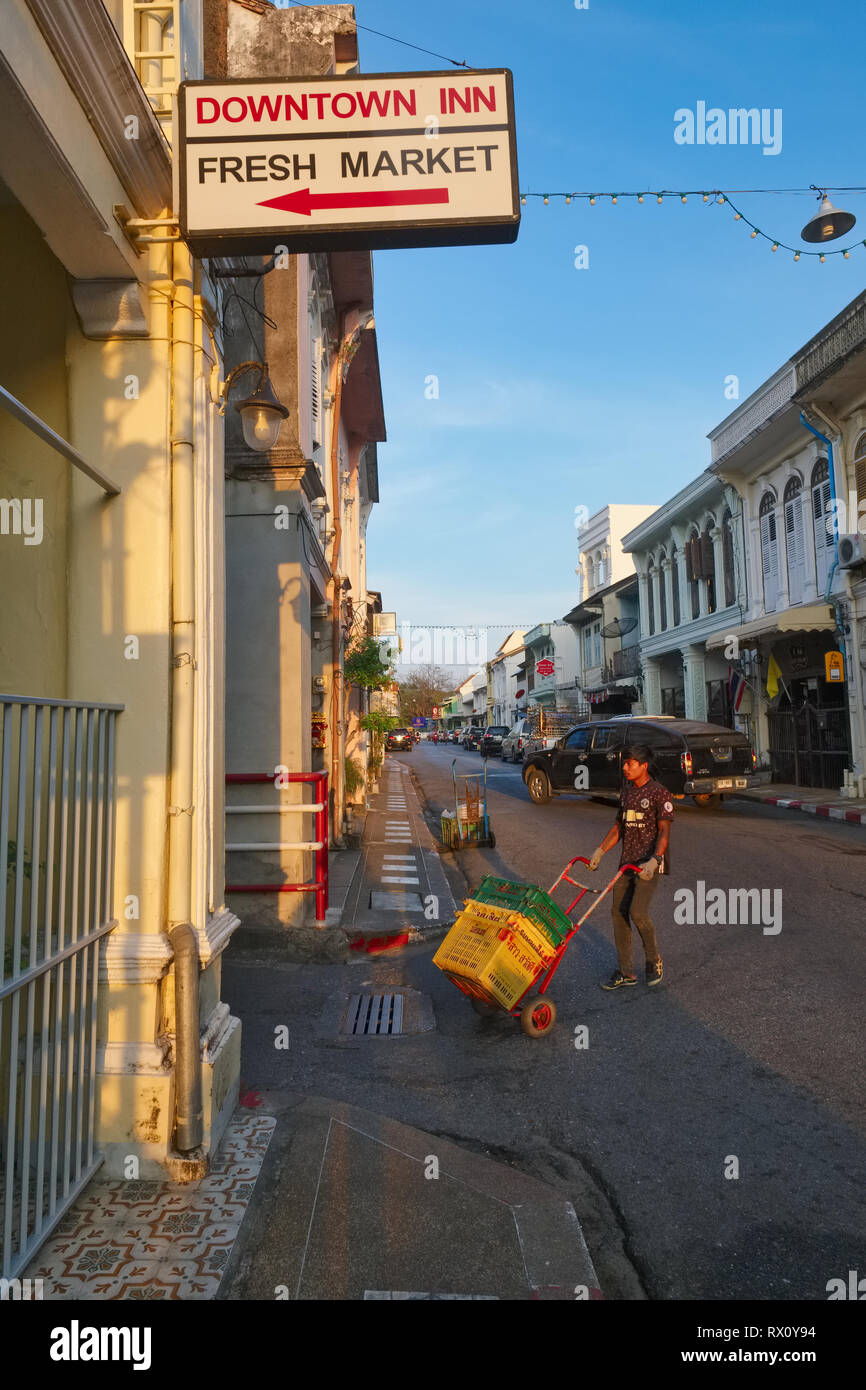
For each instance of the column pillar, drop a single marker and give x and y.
(652, 685)
(666, 579)
(655, 577)
(642, 582)
(718, 566)
(695, 682)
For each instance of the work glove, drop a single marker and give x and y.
(648, 870)
(596, 859)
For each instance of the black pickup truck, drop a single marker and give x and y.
(689, 758)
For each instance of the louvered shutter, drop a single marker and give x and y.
(708, 559)
(822, 521)
(690, 561)
(795, 549)
(316, 393)
(770, 560)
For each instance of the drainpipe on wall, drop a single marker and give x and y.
(342, 359)
(188, 1079)
(336, 587)
(852, 662)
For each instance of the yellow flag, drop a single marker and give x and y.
(773, 674)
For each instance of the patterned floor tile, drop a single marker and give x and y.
(153, 1240)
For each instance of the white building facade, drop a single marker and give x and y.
(691, 585)
(606, 620)
(554, 643)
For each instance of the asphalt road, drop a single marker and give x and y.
(748, 1058)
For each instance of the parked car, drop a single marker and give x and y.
(544, 726)
(472, 737)
(514, 743)
(689, 758)
(399, 741)
(454, 735)
(490, 744)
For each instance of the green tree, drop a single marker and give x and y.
(425, 687)
(363, 664)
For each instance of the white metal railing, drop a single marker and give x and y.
(56, 890)
(151, 37)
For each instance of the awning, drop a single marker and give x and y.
(583, 612)
(601, 697)
(811, 617)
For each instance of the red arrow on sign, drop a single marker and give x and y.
(305, 203)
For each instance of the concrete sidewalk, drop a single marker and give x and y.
(816, 801)
(319, 1200)
(397, 891)
(352, 1206)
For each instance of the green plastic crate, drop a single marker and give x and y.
(532, 902)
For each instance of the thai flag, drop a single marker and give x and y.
(736, 688)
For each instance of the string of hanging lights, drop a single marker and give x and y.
(829, 224)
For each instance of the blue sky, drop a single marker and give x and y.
(559, 386)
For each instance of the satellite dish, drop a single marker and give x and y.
(619, 627)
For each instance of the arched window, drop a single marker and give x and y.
(663, 594)
(769, 550)
(694, 582)
(675, 583)
(650, 596)
(600, 568)
(795, 549)
(728, 558)
(822, 522)
(859, 476)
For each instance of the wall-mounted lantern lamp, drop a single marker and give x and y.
(262, 413)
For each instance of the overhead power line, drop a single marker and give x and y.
(297, 5)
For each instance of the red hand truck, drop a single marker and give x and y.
(536, 1013)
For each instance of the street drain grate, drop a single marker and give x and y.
(374, 1014)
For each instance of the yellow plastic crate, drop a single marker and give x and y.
(496, 951)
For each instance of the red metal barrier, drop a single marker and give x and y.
(319, 845)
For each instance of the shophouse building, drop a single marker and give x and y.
(606, 620)
(112, 903)
(552, 665)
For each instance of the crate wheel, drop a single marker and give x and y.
(538, 1016)
(482, 1007)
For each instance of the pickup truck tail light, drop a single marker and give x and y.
(754, 759)
(686, 763)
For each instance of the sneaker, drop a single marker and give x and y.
(619, 981)
(655, 972)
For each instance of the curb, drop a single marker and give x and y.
(829, 812)
(371, 944)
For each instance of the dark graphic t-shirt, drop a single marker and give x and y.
(640, 810)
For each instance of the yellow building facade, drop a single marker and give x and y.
(114, 1043)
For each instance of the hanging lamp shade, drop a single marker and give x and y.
(829, 224)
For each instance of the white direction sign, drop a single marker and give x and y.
(342, 163)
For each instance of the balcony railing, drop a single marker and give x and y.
(623, 663)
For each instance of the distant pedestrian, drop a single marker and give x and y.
(643, 826)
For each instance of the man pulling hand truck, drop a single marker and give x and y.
(643, 825)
